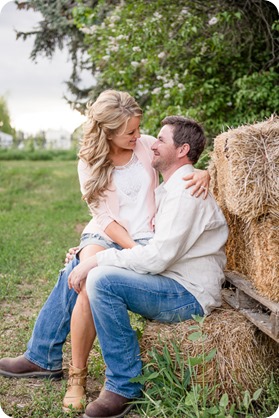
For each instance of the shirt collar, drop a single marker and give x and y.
(178, 174)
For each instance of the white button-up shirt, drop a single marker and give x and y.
(188, 245)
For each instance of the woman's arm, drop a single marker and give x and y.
(120, 235)
(199, 180)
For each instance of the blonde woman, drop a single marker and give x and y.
(117, 182)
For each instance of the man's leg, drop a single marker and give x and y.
(112, 292)
(44, 349)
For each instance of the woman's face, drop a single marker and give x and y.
(127, 136)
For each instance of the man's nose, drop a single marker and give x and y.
(154, 146)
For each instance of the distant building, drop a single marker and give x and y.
(58, 139)
(6, 140)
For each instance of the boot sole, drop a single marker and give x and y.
(39, 375)
(126, 410)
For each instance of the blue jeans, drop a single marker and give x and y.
(53, 324)
(112, 293)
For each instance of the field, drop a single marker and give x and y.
(41, 216)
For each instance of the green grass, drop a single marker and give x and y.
(41, 216)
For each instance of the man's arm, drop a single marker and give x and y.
(175, 233)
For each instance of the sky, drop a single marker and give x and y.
(33, 92)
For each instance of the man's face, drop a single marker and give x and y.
(165, 153)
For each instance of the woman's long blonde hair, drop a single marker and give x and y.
(105, 117)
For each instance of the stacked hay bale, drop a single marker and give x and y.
(245, 182)
(239, 364)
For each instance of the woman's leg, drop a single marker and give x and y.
(82, 337)
(82, 326)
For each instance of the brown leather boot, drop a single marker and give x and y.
(75, 395)
(108, 405)
(21, 367)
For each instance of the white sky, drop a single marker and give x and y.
(33, 91)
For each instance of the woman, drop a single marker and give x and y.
(117, 182)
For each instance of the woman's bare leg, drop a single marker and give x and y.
(82, 337)
(82, 326)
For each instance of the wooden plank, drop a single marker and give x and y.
(260, 319)
(243, 284)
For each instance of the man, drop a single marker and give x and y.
(178, 274)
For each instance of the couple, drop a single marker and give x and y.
(167, 275)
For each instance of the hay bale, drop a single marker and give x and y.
(247, 161)
(252, 250)
(244, 356)
(253, 242)
(264, 245)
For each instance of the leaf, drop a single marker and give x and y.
(211, 354)
(224, 401)
(144, 378)
(193, 361)
(213, 410)
(195, 336)
(246, 399)
(257, 394)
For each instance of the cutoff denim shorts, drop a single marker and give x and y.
(97, 239)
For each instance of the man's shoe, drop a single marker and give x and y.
(108, 405)
(21, 367)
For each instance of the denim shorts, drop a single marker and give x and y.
(97, 239)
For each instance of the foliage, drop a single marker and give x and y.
(172, 389)
(5, 121)
(214, 61)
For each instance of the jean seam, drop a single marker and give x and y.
(60, 327)
(108, 289)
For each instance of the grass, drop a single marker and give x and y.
(41, 216)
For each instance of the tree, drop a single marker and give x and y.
(5, 122)
(214, 61)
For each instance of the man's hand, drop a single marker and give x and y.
(199, 181)
(80, 273)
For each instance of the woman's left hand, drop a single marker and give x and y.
(80, 272)
(199, 181)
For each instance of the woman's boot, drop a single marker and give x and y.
(75, 395)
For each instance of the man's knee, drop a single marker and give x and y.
(97, 279)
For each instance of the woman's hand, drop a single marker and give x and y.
(70, 254)
(199, 181)
(80, 272)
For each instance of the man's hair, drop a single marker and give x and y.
(187, 131)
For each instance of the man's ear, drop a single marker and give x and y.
(183, 151)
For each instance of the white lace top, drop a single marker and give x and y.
(132, 184)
